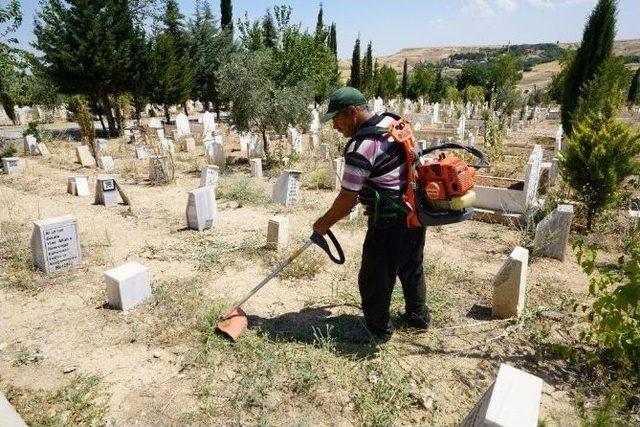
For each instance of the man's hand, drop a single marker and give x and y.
(342, 205)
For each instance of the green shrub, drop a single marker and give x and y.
(614, 315)
(600, 155)
(242, 189)
(8, 151)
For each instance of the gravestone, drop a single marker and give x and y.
(84, 156)
(215, 153)
(278, 233)
(552, 233)
(11, 165)
(155, 123)
(189, 145)
(159, 168)
(287, 188)
(256, 168)
(208, 125)
(296, 139)
(324, 151)
(202, 212)
(102, 144)
(245, 141)
(78, 186)
(182, 126)
(127, 285)
(513, 400)
(106, 191)
(338, 171)
(43, 149)
(461, 128)
(30, 146)
(55, 243)
(106, 163)
(141, 152)
(255, 148)
(532, 176)
(209, 176)
(435, 118)
(510, 285)
(314, 126)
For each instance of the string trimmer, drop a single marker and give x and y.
(235, 322)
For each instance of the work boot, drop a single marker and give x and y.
(381, 334)
(417, 321)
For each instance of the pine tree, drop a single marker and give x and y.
(367, 71)
(269, 32)
(596, 47)
(333, 41)
(634, 89)
(405, 81)
(321, 32)
(356, 76)
(226, 15)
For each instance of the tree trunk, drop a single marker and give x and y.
(167, 116)
(265, 141)
(119, 118)
(110, 119)
(104, 129)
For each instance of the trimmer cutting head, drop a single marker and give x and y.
(232, 326)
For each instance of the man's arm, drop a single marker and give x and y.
(342, 205)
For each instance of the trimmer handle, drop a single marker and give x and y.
(322, 242)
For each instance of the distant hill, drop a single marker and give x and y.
(540, 74)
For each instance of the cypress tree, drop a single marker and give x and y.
(321, 33)
(405, 80)
(269, 33)
(226, 15)
(596, 48)
(367, 70)
(356, 76)
(634, 89)
(333, 41)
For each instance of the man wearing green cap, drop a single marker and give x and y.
(375, 175)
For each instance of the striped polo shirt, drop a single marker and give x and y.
(376, 161)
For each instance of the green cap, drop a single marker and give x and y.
(341, 99)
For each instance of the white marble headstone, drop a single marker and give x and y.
(209, 176)
(182, 125)
(106, 191)
(208, 124)
(202, 211)
(31, 146)
(287, 188)
(11, 165)
(55, 243)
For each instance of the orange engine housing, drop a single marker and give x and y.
(447, 177)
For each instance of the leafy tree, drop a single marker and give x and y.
(633, 97)
(475, 74)
(367, 71)
(600, 155)
(596, 47)
(387, 82)
(251, 34)
(10, 19)
(257, 103)
(473, 94)
(356, 77)
(405, 80)
(422, 81)
(87, 49)
(505, 71)
(226, 15)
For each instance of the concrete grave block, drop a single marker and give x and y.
(106, 163)
(159, 167)
(552, 233)
(256, 168)
(12, 165)
(510, 285)
(209, 176)
(287, 188)
(189, 145)
(127, 285)
(202, 211)
(141, 152)
(8, 415)
(43, 149)
(532, 175)
(55, 243)
(215, 153)
(30, 146)
(324, 151)
(78, 186)
(513, 400)
(106, 191)
(182, 126)
(84, 156)
(278, 232)
(338, 171)
(209, 124)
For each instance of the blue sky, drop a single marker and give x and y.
(395, 24)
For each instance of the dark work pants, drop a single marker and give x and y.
(390, 252)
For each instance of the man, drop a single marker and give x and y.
(375, 174)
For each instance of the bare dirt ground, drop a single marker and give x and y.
(306, 360)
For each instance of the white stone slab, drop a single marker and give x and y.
(8, 415)
(287, 188)
(256, 168)
(78, 186)
(30, 146)
(215, 153)
(513, 400)
(209, 176)
(84, 156)
(552, 233)
(106, 163)
(43, 149)
(278, 233)
(12, 165)
(209, 124)
(314, 126)
(202, 211)
(127, 285)
(55, 243)
(182, 125)
(510, 285)
(106, 191)
(141, 152)
(532, 175)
